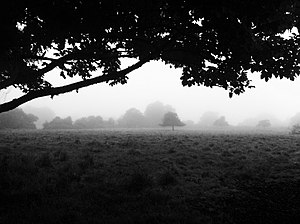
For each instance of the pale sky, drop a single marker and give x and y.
(156, 81)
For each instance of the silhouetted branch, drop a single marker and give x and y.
(68, 88)
(54, 63)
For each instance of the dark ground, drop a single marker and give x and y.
(155, 176)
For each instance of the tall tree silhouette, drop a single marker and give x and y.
(215, 42)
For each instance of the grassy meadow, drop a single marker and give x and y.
(149, 176)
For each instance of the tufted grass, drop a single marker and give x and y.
(154, 176)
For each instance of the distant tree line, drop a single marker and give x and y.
(212, 119)
(17, 119)
(132, 118)
(151, 118)
(43, 113)
(91, 122)
(155, 115)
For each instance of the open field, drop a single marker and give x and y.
(154, 176)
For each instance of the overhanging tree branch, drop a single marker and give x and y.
(54, 63)
(68, 88)
(18, 72)
(234, 37)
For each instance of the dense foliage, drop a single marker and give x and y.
(155, 112)
(171, 119)
(150, 118)
(214, 42)
(133, 118)
(17, 119)
(59, 123)
(90, 122)
(221, 122)
(43, 113)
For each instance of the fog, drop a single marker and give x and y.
(156, 81)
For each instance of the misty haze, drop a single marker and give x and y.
(276, 99)
(149, 112)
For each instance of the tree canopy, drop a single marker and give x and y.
(171, 119)
(43, 113)
(17, 119)
(133, 118)
(221, 122)
(155, 112)
(214, 42)
(208, 118)
(59, 123)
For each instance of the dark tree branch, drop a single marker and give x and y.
(68, 88)
(56, 62)
(75, 86)
(79, 56)
(40, 58)
(12, 80)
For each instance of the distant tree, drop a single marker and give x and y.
(110, 123)
(17, 119)
(154, 113)
(221, 122)
(81, 123)
(264, 124)
(43, 113)
(133, 118)
(295, 123)
(254, 121)
(295, 119)
(208, 118)
(59, 123)
(295, 129)
(171, 119)
(90, 122)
